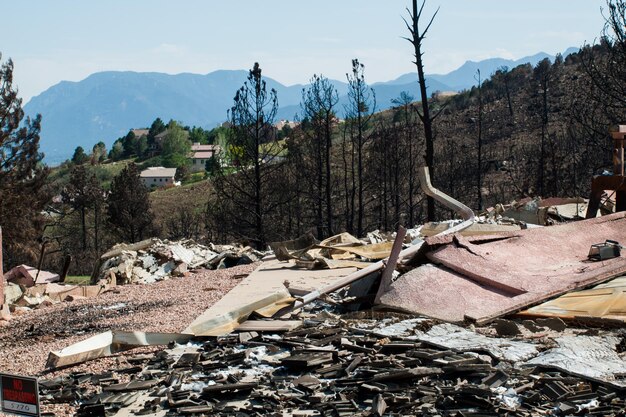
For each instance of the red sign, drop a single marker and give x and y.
(19, 395)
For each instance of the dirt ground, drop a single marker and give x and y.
(166, 306)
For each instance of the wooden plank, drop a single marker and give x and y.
(476, 229)
(262, 288)
(307, 360)
(374, 251)
(390, 264)
(220, 388)
(269, 325)
(603, 302)
(109, 343)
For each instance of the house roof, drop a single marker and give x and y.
(199, 147)
(140, 132)
(202, 155)
(159, 172)
(162, 135)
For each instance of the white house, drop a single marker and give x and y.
(158, 176)
(201, 154)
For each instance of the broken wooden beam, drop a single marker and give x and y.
(385, 279)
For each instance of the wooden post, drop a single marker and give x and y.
(616, 182)
(1, 273)
(390, 265)
(619, 137)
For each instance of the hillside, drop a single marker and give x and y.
(105, 105)
(530, 147)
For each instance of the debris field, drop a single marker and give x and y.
(490, 315)
(346, 366)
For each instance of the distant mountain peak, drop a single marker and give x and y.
(105, 105)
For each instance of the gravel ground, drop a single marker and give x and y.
(166, 306)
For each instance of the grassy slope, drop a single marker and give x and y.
(168, 202)
(59, 176)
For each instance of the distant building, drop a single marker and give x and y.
(140, 132)
(158, 139)
(282, 123)
(201, 154)
(158, 177)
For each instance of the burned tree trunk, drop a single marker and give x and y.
(416, 39)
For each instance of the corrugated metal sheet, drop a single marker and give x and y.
(592, 357)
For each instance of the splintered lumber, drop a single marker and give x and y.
(269, 325)
(221, 388)
(109, 343)
(373, 251)
(405, 254)
(604, 303)
(408, 253)
(355, 276)
(307, 360)
(385, 279)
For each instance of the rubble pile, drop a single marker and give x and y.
(546, 212)
(20, 298)
(154, 260)
(476, 317)
(346, 367)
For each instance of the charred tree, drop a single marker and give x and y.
(407, 125)
(253, 153)
(479, 165)
(318, 112)
(23, 194)
(417, 39)
(359, 110)
(542, 75)
(129, 205)
(82, 193)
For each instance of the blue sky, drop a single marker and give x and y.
(50, 41)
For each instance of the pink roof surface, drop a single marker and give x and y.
(202, 155)
(479, 279)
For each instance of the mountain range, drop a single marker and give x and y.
(105, 105)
